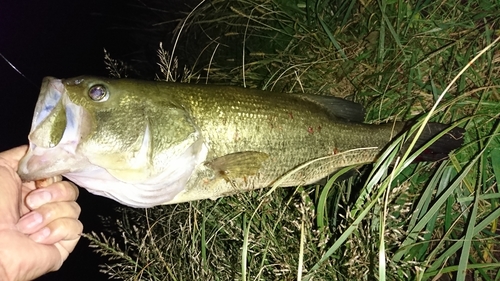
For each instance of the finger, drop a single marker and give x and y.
(26, 188)
(39, 199)
(63, 229)
(56, 192)
(65, 247)
(12, 156)
(46, 182)
(46, 214)
(42, 259)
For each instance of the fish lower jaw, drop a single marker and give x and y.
(41, 163)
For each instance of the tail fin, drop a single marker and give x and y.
(440, 149)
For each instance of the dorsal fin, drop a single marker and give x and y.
(340, 108)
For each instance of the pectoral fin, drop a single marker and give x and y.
(238, 165)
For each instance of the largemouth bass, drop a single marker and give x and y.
(146, 143)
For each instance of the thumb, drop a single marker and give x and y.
(10, 186)
(12, 156)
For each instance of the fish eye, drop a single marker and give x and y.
(98, 93)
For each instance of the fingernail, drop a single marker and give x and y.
(48, 181)
(29, 221)
(37, 198)
(40, 235)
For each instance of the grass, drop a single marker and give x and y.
(427, 221)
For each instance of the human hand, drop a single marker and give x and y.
(39, 227)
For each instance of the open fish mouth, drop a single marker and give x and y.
(58, 126)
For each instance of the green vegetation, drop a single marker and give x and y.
(402, 60)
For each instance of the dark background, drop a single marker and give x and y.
(65, 39)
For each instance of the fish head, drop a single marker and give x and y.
(116, 137)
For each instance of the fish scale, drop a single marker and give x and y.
(290, 139)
